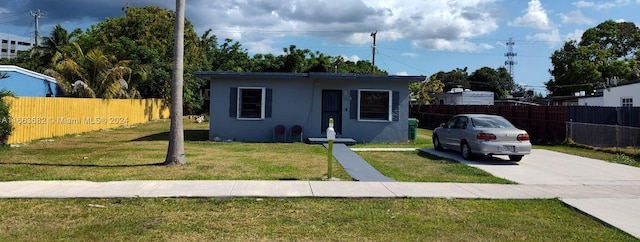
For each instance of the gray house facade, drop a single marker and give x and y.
(247, 107)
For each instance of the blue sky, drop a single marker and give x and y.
(414, 37)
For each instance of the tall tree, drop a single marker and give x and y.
(175, 152)
(141, 37)
(94, 74)
(488, 79)
(425, 91)
(454, 78)
(57, 43)
(609, 50)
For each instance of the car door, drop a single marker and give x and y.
(457, 132)
(446, 132)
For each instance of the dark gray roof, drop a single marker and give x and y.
(210, 75)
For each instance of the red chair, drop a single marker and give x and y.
(280, 130)
(296, 130)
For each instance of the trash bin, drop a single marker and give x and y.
(413, 129)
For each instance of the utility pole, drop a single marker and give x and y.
(373, 64)
(510, 62)
(36, 16)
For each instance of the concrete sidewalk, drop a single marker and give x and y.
(342, 189)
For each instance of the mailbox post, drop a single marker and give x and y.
(331, 136)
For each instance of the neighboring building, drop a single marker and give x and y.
(11, 44)
(367, 108)
(513, 102)
(594, 100)
(626, 94)
(560, 101)
(26, 83)
(460, 96)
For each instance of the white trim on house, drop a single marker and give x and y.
(10, 68)
(263, 91)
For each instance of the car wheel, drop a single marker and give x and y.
(466, 151)
(436, 142)
(515, 157)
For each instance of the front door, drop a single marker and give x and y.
(331, 108)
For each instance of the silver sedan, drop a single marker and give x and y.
(482, 134)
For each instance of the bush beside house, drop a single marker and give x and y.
(5, 120)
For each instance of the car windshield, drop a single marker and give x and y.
(491, 122)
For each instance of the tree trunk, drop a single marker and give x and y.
(175, 153)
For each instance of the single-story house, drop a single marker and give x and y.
(460, 96)
(366, 108)
(27, 83)
(626, 94)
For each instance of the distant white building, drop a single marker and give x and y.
(460, 96)
(621, 95)
(11, 44)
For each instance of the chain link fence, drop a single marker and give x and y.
(603, 135)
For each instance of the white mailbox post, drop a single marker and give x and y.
(331, 136)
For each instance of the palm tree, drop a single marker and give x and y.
(95, 74)
(53, 46)
(175, 152)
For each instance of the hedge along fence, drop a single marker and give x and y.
(45, 117)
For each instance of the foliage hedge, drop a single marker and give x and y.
(5, 123)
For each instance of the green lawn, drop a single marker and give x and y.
(133, 153)
(412, 167)
(297, 219)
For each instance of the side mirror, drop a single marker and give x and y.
(443, 125)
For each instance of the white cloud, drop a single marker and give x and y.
(575, 35)
(350, 21)
(402, 73)
(409, 54)
(452, 45)
(353, 58)
(601, 4)
(263, 47)
(575, 17)
(535, 17)
(427, 24)
(552, 37)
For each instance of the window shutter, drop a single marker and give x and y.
(268, 103)
(395, 106)
(353, 114)
(233, 102)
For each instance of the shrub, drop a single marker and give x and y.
(5, 120)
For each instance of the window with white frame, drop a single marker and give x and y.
(251, 102)
(627, 102)
(374, 105)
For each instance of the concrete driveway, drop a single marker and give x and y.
(549, 167)
(607, 191)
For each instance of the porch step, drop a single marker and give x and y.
(319, 141)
